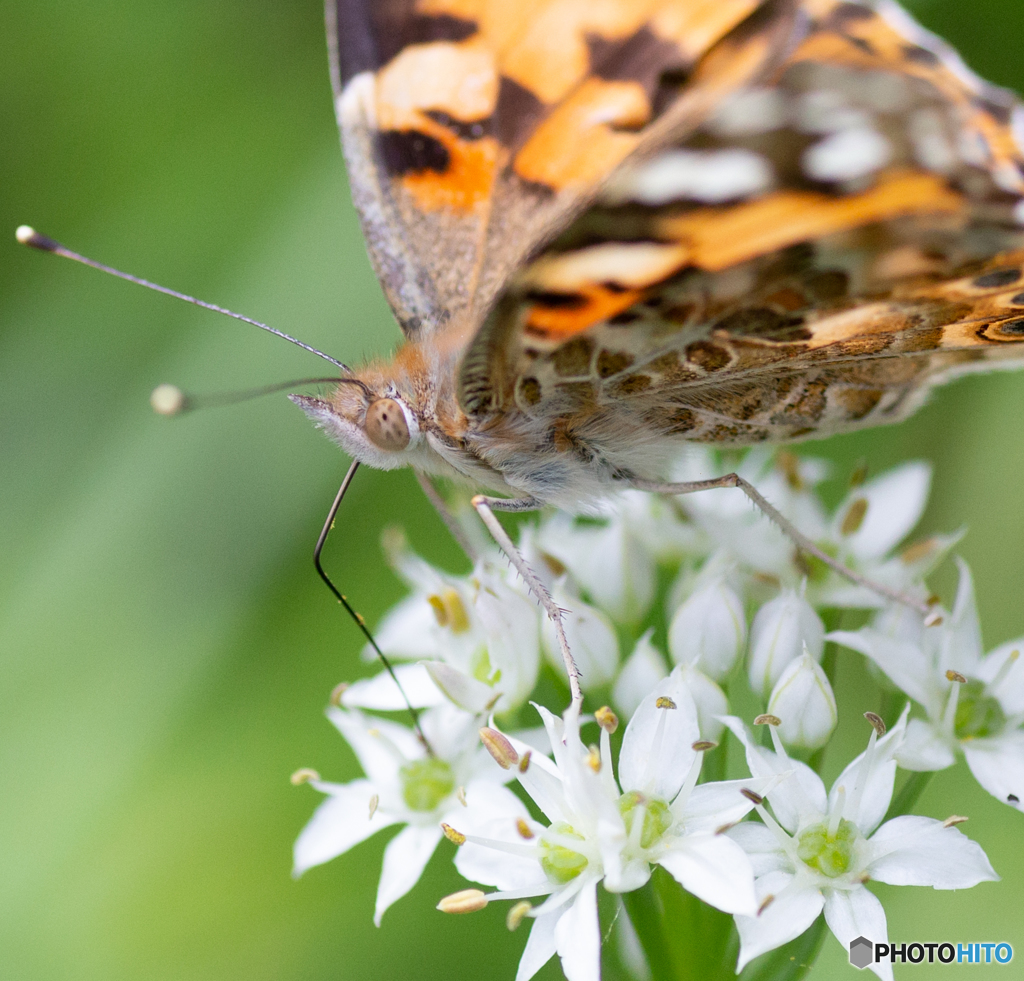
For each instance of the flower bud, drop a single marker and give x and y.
(709, 699)
(805, 705)
(708, 630)
(781, 630)
(591, 636)
(643, 669)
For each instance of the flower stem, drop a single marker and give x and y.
(683, 938)
(909, 793)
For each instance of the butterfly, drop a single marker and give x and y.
(607, 229)
(611, 227)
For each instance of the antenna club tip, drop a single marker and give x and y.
(167, 400)
(27, 235)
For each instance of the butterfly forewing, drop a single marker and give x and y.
(473, 128)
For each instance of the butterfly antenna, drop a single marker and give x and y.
(169, 400)
(360, 622)
(30, 237)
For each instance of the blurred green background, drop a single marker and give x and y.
(166, 648)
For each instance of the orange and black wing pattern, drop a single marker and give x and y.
(830, 242)
(475, 128)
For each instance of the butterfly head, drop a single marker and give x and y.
(378, 428)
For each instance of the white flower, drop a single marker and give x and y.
(981, 716)
(805, 704)
(865, 529)
(601, 829)
(591, 636)
(709, 630)
(732, 524)
(476, 636)
(818, 852)
(609, 562)
(403, 785)
(783, 629)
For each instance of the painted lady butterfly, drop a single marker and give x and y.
(608, 228)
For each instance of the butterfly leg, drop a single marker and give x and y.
(786, 526)
(485, 507)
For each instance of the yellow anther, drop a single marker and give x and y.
(455, 837)
(499, 747)
(465, 901)
(607, 719)
(524, 829)
(664, 702)
(767, 720)
(854, 516)
(303, 776)
(876, 722)
(517, 914)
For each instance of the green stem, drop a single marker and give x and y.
(909, 793)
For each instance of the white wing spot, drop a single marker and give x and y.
(751, 111)
(847, 155)
(712, 176)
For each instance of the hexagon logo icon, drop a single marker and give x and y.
(861, 952)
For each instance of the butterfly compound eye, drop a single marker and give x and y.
(386, 425)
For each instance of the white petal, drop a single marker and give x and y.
(896, 501)
(715, 869)
(709, 630)
(492, 814)
(540, 945)
(382, 747)
(381, 694)
(643, 669)
(591, 636)
(924, 748)
(904, 662)
(998, 765)
(918, 851)
(869, 792)
(796, 800)
(858, 913)
(714, 804)
(762, 848)
(657, 751)
(511, 625)
(792, 912)
(804, 702)
(578, 937)
(781, 631)
(409, 630)
(405, 858)
(341, 821)
(462, 690)
(1010, 690)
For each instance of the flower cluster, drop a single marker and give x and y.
(674, 609)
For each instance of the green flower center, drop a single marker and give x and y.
(425, 783)
(977, 714)
(561, 864)
(831, 856)
(657, 816)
